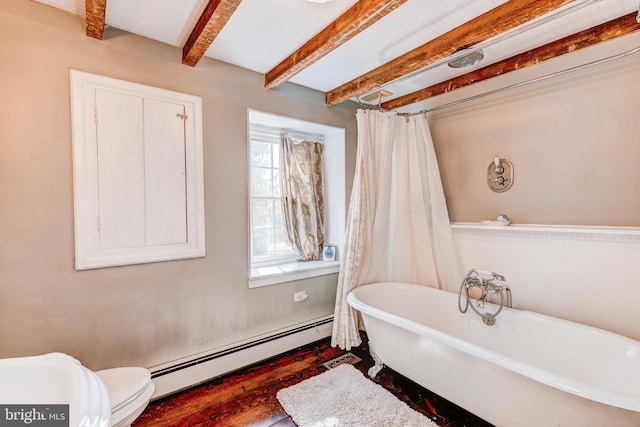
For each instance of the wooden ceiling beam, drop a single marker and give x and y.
(215, 16)
(490, 24)
(356, 19)
(94, 18)
(594, 35)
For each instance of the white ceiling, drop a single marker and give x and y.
(261, 33)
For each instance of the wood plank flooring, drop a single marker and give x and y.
(247, 397)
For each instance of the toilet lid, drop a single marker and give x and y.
(124, 383)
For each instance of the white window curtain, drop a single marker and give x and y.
(398, 226)
(303, 196)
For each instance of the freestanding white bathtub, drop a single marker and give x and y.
(526, 370)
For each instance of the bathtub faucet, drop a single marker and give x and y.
(487, 286)
(484, 281)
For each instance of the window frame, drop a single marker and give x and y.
(271, 136)
(269, 272)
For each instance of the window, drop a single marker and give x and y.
(271, 259)
(268, 240)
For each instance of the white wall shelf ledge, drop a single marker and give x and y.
(569, 232)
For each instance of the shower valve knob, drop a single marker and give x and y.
(499, 170)
(501, 180)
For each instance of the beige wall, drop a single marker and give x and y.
(143, 314)
(574, 142)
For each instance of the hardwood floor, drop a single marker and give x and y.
(248, 397)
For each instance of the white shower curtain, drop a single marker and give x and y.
(398, 227)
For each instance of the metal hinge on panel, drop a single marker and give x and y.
(98, 224)
(95, 115)
(182, 116)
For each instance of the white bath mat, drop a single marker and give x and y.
(344, 397)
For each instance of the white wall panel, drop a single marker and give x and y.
(582, 274)
(138, 176)
(121, 170)
(165, 173)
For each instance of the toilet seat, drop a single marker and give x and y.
(130, 390)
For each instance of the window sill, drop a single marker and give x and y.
(290, 271)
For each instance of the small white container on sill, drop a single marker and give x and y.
(329, 253)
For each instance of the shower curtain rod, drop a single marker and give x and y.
(515, 85)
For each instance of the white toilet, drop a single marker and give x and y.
(130, 390)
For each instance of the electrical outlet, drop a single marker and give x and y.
(300, 296)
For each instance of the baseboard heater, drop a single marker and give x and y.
(183, 374)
